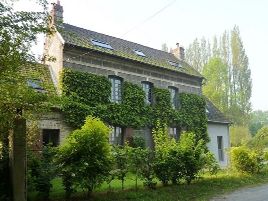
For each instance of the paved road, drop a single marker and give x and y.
(259, 193)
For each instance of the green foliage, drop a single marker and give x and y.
(41, 170)
(225, 65)
(120, 156)
(260, 140)
(193, 115)
(132, 112)
(239, 135)
(258, 119)
(86, 88)
(162, 109)
(216, 87)
(86, 155)
(136, 142)
(246, 160)
(211, 164)
(193, 155)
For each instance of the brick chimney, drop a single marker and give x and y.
(57, 13)
(178, 52)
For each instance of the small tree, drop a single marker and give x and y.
(193, 155)
(86, 155)
(121, 162)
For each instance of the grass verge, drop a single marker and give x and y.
(200, 190)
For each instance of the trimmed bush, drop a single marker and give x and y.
(246, 160)
(86, 156)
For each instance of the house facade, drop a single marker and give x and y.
(119, 60)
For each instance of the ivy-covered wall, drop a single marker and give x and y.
(88, 94)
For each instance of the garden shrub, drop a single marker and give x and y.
(163, 144)
(246, 160)
(86, 155)
(136, 142)
(211, 164)
(41, 171)
(120, 156)
(193, 155)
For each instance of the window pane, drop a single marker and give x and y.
(173, 96)
(147, 88)
(220, 148)
(116, 89)
(116, 136)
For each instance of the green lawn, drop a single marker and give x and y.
(202, 189)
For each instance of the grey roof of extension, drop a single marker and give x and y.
(214, 114)
(81, 37)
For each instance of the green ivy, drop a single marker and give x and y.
(88, 94)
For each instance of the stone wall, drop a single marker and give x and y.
(130, 71)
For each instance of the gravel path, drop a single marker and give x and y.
(259, 193)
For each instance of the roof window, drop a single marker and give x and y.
(172, 63)
(101, 44)
(140, 53)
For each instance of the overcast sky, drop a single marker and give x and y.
(182, 21)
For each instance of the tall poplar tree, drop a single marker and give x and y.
(227, 55)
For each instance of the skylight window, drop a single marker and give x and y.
(102, 44)
(172, 63)
(140, 53)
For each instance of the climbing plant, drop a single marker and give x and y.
(88, 94)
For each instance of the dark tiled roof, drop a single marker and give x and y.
(125, 49)
(214, 114)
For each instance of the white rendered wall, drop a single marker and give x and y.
(214, 130)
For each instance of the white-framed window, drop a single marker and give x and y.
(220, 148)
(174, 96)
(173, 133)
(116, 89)
(116, 136)
(148, 90)
(101, 44)
(139, 52)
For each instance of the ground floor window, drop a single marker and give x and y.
(51, 136)
(220, 148)
(116, 136)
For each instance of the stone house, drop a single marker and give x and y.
(119, 60)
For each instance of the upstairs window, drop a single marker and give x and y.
(175, 64)
(173, 133)
(102, 44)
(116, 89)
(148, 90)
(173, 96)
(139, 52)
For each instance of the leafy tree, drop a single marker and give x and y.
(86, 155)
(216, 87)
(239, 135)
(164, 47)
(258, 119)
(120, 155)
(193, 156)
(18, 31)
(260, 140)
(237, 75)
